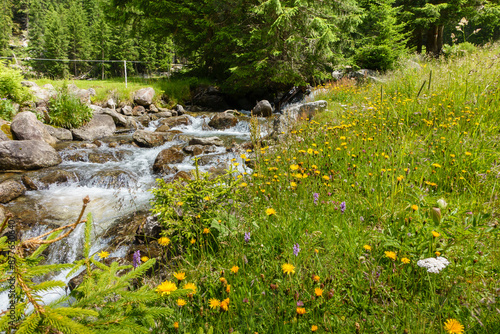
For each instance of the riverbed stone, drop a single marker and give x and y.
(102, 157)
(27, 154)
(26, 126)
(10, 190)
(3, 136)
(262, 109)
(206, 141)
(100, 126)
(127, 110)
(162, 128)
(114, 179)
(176, 121)
(153, 108)
(59, 133)
(163, 114)
(28, 182)
(58, 176)
(144, 96)
(194, 149)
(119, 119)
(138, 111)
(144, 120)
(168, 156)
(145, 138)
(222, 121)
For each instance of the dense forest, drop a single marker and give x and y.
(241, 44)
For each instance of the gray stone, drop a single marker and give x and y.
(59, 133)
(176, 121)
(127, 110)
(262, 109)
(10, 190)
(163, 114)
(149, 139)
(28, 183)
(3, 136)
(119, 119)
(144, 120)
(162, 128)
(26, 126)
(82, 94)
(100, 126)
(180, 110)
(152, 108)
(206, 141)
(223, 121)
(111, 104)
(194, 149)
(138, 111)
(27, 154)
(144, 96)
(28, 84)
(168, 156)
(58, 177)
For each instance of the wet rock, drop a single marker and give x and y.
(183, 175)
(144, 96)
(180, 110)
(26, 126)
(101, 157)
(262, 109)
(58, 177)
(28, 183)
(223, 121)
(149, 230)
(163, 128)
(152, 108)
(59, 133)
(145, 138)
(168, 156)
(112, 179)
(144, 120)
(210, 98)
(206, 141)
(119, 119)
(100, 126)
(131, 123)
(10, 190)
(127, 110)
(138, 111)
(176, 121)
(75, 157)
(213, 159)
(194, 149)
(27, 154)
(163, 114)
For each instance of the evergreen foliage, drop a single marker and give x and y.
(5, 26)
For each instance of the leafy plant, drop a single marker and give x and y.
(7, 110)
(10, 85)
(67, 111)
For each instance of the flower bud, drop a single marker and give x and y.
(442, 204)
(436, 215)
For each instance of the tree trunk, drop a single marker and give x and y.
(434, 40)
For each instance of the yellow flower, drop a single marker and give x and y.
(435, 234)
(103, 255)
(318, 292)
(270, 211)
(436, 165)
(316, 250)
(452, 326)
(144, 259)
(301, 310)
(400, 178)
(234, 269)
(181, 302)
(326, 177)
(367, 248)
(437, 253)
(288, 268)
(193, 241)
(391, 255)
(222, 280)
(243, 185)
(294, 167)
(293, 184)
(316, 278)
(405, 260)
(243, 156)
(179, 203)
(314, 328)
(163, 241)
(206, 230)
(414, 207)
(468, 153)
(190, 286)
(214, 303)
(225, 304)
(228, 288)
(176, 325)
(166, 287)
(180, 276)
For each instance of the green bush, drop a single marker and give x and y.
(67, 111)
(458, 50)
(10, 85)
(7, 110)
(376, 57)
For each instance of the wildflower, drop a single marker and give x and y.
(296, 249)
(405, 260)
(176, 325)
(270, 211)
(206, 198)
(206, 230)
(179, 203)
(225, 304)
(144, 259)
(103, 255)
(293, 184)
(414, 207)
(314, 328)
(437, 253)
(326, 178)
(234, 269)
(214, 303)
(228, 288)
(136, 259)
(436, 165)
(180, 276)
(342, 207)
(193, 241)
(243, 185)
(468, 153)
(433, 265)
(181, 302)
(316, 250)
(301, 310)
(163, 241)
(315, 198)
(367, 248)
(318, 292)
(190, 286)
(222, 280)
(294, 167)
(452, 326)
(435, 234)
(288, 268)
(391, 255)
(166, 287)
(247, 236)
(316, 278)
(245, 300)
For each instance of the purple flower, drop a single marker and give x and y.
(245, 300)
(247, 236)
(342, 207)
(296, 249)
(315, 196)
(300, 303)
(137, 259)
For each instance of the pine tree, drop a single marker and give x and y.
(77, 35)
(56, 43)
(36, 33)
(5, 26)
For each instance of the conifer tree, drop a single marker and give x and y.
(5, 26)
(56, 43)
(36, 33)
(78, 37)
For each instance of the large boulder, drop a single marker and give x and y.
(144, 96)
(5, 131)
(176, 121)
(82, 94)
(26, 126)
(10, 190)
(100, 126)
(206, 141)
(119, 119)
(27, 155)
(3, 136)
(168, 156)
(59, 133)
(58, 176)
(145, 138)
(223, 121)
(262, 108)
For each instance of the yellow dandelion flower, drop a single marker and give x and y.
(405, 260)
(453, 326)
(180, 276)
(176, 325)
(181, 302)
(326, 177)
(228, 288)
(316, 278)
(391, 255)
(270, 211)
(435, 234)
(414, 207)
(214, 303)
(318, 292)
(243, 185)
(103, 255)
(437, 253)
(301, 310)
(190, 286)
(468, 153)
(193, 241)
(294, 167)
(179, 203)
(314, 328)
(436, 165)
(206, 230)
(367, 248)
(288, 268)
(163, 241)
(234, 269)
(293, 184)
(166, 288)
(225, 304)
(222, 280)
(144, 259)
(316, 250)
(206, 198)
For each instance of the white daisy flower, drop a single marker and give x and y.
(434, 264)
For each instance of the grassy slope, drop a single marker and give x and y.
(389, 154)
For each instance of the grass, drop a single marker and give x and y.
(330, 226)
